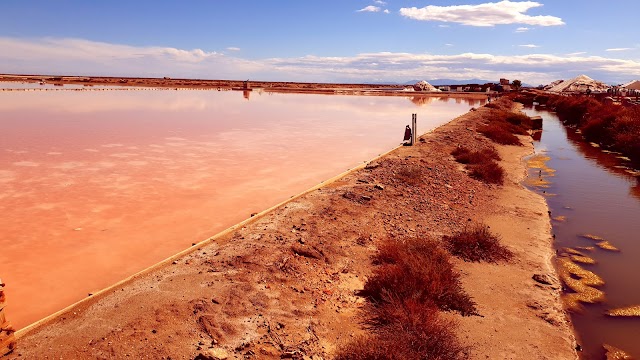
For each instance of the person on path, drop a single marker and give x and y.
(407, 136)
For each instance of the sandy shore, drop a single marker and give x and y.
(284, 283)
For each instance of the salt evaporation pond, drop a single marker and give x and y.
(97, 185)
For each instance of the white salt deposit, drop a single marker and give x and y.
(424, 86)
(580, 83)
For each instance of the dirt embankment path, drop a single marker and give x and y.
(247, 86)
(284, 285)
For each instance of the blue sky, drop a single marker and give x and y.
(329, 40)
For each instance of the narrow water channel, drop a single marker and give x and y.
(591, 192)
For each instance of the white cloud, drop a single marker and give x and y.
(369, 8)
(233, 48)
(522, 29)
(83, 57)
(577, 53)
(619, 49)
(444, 26)
(448, 44)
(532, 46)
(488, 14)
(380, 2)
(386, 11)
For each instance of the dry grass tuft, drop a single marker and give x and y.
(488, 172)
(411, 330)
(417, 270)
(499, 133)
(477, 244)
(411, 175)
(481, 164)
(464, 155)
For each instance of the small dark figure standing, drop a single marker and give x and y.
(407, 136)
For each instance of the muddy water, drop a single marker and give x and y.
(97, 185)
(591, 192)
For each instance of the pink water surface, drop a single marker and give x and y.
(97, 185)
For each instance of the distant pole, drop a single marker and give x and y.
(414, 127)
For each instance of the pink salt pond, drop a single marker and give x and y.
(98, 185)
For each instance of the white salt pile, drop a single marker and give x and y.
(580, 83)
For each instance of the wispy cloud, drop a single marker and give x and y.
(233, 48)
(448, 44)
(380, 2)
(619, 49)
(532, 46)
(487, 14)
(522, 29)
(577, 53)
(444, 26)
(369, 8)
(83, 57)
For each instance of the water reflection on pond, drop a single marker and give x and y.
(96, 185)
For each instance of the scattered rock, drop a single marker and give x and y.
(372, 165)
(306, 251)
(213, 354)
(543, 279)
(349, 195)
(379, 187)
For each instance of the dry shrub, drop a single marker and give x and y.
(464, 155)
(520, 122)
(612, 126)
(477, 244)
(411, 175)
(500, 134)
(481, 164)
(571, 109)
(504, 124)
(411, 330)
(488, 172)
(417, 270)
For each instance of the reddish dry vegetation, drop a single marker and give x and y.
(412, 330)
(410, 175)
(413, 279)
(481, 164)
(418, 270)
(504, 124)
(477, 244)
(612, 126)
